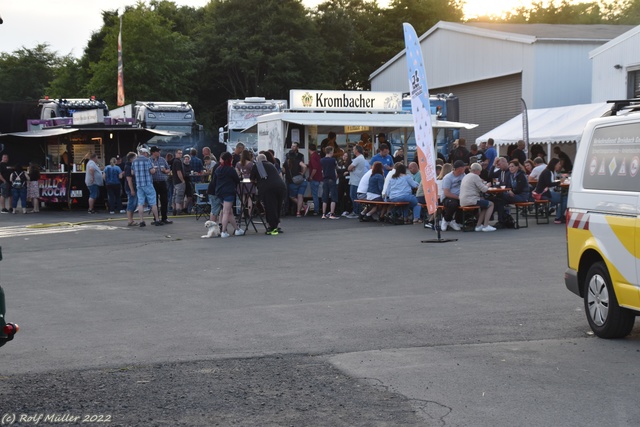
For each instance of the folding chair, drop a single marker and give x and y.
(201, 206)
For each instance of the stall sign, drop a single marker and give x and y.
(346, 101)
(88, 117)
(53, 188)
(356, 129)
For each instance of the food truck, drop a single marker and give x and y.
(241, 120)
(60, 146)
(313, 114)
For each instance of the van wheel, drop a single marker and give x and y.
(606, 318)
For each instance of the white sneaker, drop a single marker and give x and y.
(479, 228)
(123, 211)
(345, 213)
(353, 215)
(224, 234)
(443, 225)
(488, 228)
(455, 225)
(239, 232)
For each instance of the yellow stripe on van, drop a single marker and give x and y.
(621, 227)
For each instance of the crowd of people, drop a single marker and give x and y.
(340, 182)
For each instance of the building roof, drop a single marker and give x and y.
(524, 33)
(618, 40)
(559, 31)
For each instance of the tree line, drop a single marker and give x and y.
(232, 49)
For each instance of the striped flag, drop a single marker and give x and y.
(421, 110)
(120, 94)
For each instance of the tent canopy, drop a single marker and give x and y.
(44, 133)
(548, 125)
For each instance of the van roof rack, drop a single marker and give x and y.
(624, 104)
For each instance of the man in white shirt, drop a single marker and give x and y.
(357, 169)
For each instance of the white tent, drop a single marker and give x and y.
(548, 125)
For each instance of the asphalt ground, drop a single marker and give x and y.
(329, 323)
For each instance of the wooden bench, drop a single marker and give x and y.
(542, 204)
(524, 206)
(392, 205)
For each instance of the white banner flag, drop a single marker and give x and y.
(421, 110)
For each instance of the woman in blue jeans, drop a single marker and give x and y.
(19, 180)
(547, 181)
(400, 189)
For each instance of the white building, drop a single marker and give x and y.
(616, 68)
(490, 67)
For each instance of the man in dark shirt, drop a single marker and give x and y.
(518, 153)
(179, 182)
(567, 164)
(5, 186)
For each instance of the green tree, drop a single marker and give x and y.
(26, 73)
(255, 48)
(159, 63)
(552, 13)
(348, 29)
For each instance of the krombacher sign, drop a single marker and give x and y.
(347, 101)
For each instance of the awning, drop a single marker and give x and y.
(548, 125)
(42, 133)
(393, 121)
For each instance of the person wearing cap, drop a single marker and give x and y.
(160, 178)
(143, 170)
(451, 188)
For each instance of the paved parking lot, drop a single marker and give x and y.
(476, 332)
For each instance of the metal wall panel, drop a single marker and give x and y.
(489, 103)
(608, 81)
(453, 58)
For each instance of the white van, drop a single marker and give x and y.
(603, 219)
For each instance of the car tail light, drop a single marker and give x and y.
(11, 329)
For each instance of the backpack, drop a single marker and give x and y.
(19, 181)
(509, 222)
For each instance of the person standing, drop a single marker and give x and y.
(227, 180)
(237, 153)
(5, 187)
(272, 190)
(143, 170)
(383, 157)
(315, 177)
(112, 175)
(518, 154)
(130, 189)
(93, 179)
(491, 154)
(33, 190)
(329, 186)
(357, 169)
(179, 183)
(19, 181)
(160, 178)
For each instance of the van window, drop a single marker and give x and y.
(613, 160)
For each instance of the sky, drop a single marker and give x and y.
(66, 25)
